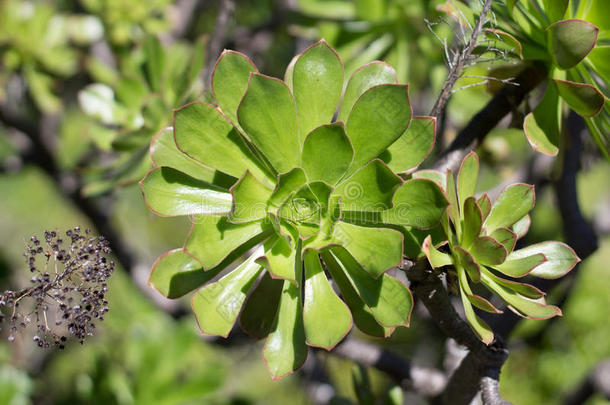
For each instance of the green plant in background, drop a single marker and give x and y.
(392, 30)
(135, 102)
(130, 21)
(270, 169)
(481, 238)
(562, 35)
(37, 41)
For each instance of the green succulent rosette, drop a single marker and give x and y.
(480, 245)
(300, 178)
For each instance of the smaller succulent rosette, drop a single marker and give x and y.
(298, 176)
(480, 246)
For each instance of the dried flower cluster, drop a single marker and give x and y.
(68, 292)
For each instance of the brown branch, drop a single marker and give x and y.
(578, 232)
(481, 361)
(458, 62)
(506, 100)
(428, 287)
(478, 366)
(490, 392)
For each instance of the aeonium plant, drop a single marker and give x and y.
(284, 174)
(480, 248)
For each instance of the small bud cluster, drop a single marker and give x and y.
(68, 288)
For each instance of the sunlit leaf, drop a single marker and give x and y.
(389, 299)
(408, 151)
(169, 192)
(317, 82)
(320, 304)
(541, 126)
(376, 249)
(378, 118)
(175, 273)
(217, 305)
(230, 80)
(267, 113)
(327, 153)
(513, 203)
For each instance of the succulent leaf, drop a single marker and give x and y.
(560, 258)
(519, 266)
(317, 82)
(320, 304)
(371, 188)
(570, 41)
(413, 146)
(583, 98)
(473, 220)
(363, 78)
(204, 134)
(213, 239)
(488, 251)
(250, 198)
(435, 257)
(378, 118)
(259, 309)
(327, 153)
(217, 305)
(542, 125)
(477, 324)
(466, 260)
(389, 299)
(513, 203)
(279, 259)
(230, 81)
(175, 273)
(268, 114)
(375, 249)
(285, 349)
(362, 314)
(467, 178)
(524, 306)
(164, 152)
(418, 203)
(168, 192)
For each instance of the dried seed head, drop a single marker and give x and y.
(67, 289)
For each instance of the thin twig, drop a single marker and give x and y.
(506, 100)
(457, 63)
